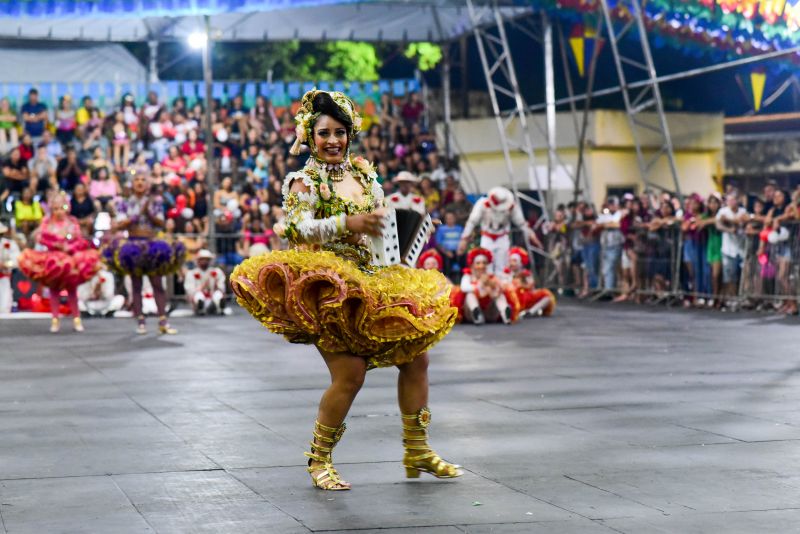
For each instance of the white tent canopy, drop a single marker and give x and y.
(35, 63)
(360, 21)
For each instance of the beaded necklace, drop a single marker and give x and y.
(334, 171)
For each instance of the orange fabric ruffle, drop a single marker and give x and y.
(59, 270)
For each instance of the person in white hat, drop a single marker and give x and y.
(205, 286)
(9, 252)
(406, 198)
(495, 214)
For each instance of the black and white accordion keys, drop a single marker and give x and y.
(405, 233)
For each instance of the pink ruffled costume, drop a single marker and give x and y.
(68, 261)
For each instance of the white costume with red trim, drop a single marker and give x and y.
(9, 252)
(98, 295)
(411, 201)
(205, 289)
(495, 214)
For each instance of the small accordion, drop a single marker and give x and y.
(405, 232)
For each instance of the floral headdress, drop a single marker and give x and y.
(306, 117)
(521, 252)
(430, 253)
(476, 253)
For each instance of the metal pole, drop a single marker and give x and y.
(662, 117)
(448, 149)
(585, 122)
(211, 174)
(152, 70)
(550, 97)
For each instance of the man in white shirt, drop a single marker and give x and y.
(406, 198)
(730, 221)
(205, 286)
(9, 252)
(611, 240)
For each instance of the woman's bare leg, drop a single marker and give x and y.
(412, 385)
(347, 376)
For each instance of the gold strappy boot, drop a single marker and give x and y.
(326, 478)
(419, 457)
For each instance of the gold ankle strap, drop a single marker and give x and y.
(336, 433)
(419, 420)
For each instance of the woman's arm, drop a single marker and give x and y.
(299, 204)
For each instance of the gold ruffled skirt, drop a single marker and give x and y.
(389, 316)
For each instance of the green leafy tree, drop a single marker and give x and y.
(428, 54)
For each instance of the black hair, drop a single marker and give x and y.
(323, 103)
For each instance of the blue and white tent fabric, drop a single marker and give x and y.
(242, 20)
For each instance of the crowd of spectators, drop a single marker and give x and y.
(91, 154)
(723, 251)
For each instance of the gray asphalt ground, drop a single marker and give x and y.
(600, 419)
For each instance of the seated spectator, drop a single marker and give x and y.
(54, 148)
(174, 162)
(27, 212)
(240, 116)
(42, 169)
(225, 197)
(430, 194)
(65, 121)
(193, 147)
(16, 175)
(84, 115)
(34, 115)
(82, 208)
(9, 138)
(104, 189)
(460, 207)
(447, 237)
(121, 141)
(161, 132)
(413, 109)
(26, 148)
(69, 171)
(262, 117)
(192, 238)
(93, 137)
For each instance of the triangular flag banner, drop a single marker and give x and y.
(583, 41)
(758, 80)
(578, 48)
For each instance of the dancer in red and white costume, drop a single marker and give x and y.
(495, 214)
(205, 285)
(430, 260)
(482, 296)
(532, 301)
(9, 252)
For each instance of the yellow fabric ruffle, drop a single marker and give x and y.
(316, 297)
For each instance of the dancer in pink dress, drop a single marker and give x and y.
(61, 260)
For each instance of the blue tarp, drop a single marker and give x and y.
(148, 8)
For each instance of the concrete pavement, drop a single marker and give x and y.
(600, 419)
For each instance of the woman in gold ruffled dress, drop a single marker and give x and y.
(323, 291)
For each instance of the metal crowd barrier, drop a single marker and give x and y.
(669, 266)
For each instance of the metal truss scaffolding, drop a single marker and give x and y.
(647, 95)
(501, 77)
